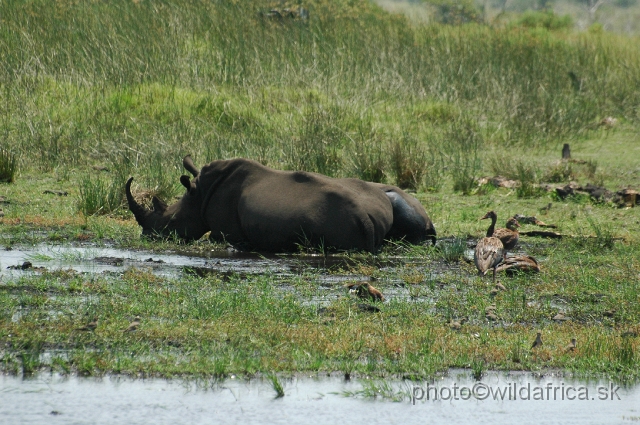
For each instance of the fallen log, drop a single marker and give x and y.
(554, 235)
(533, 220)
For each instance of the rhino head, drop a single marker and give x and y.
(182, 219)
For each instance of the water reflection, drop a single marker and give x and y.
(315, 400)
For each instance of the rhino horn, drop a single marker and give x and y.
(188, 165)
(138, 210)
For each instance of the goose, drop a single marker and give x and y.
(509, 236)
(489, 252)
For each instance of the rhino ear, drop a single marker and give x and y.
(186, 182)
(187, 162)
(158, 205)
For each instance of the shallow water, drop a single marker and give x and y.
(88, 259)
(328, 271)
(73, 400)
(99, 260)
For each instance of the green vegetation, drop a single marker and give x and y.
(7, 166)
(94, 92)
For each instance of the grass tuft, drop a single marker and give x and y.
(452, 251)
(8, 166)
(98, 196)
(276, 385)
(477, 368)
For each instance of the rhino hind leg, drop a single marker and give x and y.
(408, 224)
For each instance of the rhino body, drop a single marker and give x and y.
(254, 207)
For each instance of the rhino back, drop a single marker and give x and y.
(276, 210)
(255, 207)
(282, 209)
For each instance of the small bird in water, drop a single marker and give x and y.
(492, 316)
(365, 290)
(91, 326)
(133, 325)
(490, 313)
(560, 317)
(456, 325)
(571, 346)
(538, 342)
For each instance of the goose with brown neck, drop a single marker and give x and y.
(489, 252)
(509, 236)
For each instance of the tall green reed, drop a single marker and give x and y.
(8, 166)
(94, 90)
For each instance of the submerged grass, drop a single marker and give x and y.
(276, 385)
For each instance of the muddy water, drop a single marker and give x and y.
(328, 271)
(99, 259)
(72, 400)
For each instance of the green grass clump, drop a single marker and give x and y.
(453, 251)
(8, 166)
(98, 196)
(544, 19)
(276, 385)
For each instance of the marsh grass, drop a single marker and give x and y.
(453, 251)
(604, 235)
(527, 175)
(381, 389)
(148, 81)
(98, 196)
(30, 362)
(407, 162)
(368, 156)
(463, 151)
(317, 147)
(8, 166)
(625, 352)
(30, 357)
(560, 172)
(477, 368)
(517, 353)
(276, 385)
(160, 178)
